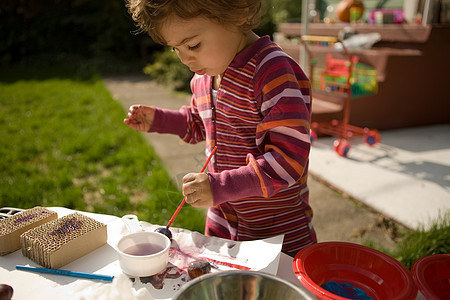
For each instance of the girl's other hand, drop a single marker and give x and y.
(197, 190)
(140, 117)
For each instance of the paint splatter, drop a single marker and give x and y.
(158, 280)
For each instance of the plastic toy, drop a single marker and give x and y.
(335, 82)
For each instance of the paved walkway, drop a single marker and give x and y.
(406, 177)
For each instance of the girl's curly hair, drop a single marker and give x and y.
(150, 14)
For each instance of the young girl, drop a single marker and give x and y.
(250, 100)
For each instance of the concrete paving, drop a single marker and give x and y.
(406, 177)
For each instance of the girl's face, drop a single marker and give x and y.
(203, 45)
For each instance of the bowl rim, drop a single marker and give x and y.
(159, 253)
(303, 277)
(418, 268)
(225, 273)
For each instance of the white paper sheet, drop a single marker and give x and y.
(261, 255)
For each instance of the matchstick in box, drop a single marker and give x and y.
(57, 243)
(12, 227)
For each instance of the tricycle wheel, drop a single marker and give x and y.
(341, 147)
(312, 136)
(372, 137)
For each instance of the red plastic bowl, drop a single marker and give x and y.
(377, 274)
(432, 276)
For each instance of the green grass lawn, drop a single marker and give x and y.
(416, 244)
(63, 143)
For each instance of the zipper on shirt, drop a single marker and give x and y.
(213, 109)
(213, 118)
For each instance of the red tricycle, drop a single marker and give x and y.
(334, 83)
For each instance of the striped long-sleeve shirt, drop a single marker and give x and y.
(260, 124)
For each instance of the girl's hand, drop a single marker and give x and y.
(140, 117)
(197, 190)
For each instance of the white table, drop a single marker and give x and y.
(104, 260)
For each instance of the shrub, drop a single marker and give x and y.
(33, 29)
(167, 69)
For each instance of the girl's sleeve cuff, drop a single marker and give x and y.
(169, 121)
(233, 185)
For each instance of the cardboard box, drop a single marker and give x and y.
(12, 227)
(57, 243)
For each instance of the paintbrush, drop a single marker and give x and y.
(165, 230)
(66, 273)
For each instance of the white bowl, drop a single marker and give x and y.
(148, 262)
